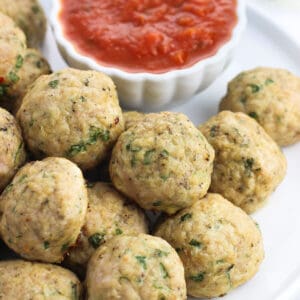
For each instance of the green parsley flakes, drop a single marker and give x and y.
(142, 261)
(195, 243)
(269, 81)
(164, 271)
(75, 149)
(254, 88)
(253, 115)
(95, 134)
(53, 84)
(46, 245)
(13, 77)
(164, 153)
(96, 239)
(148, 156)
(19, 62)
(198, 277)
(118, 231)
(185, 217)
(213, 131)
(157, 203)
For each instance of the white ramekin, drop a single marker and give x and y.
(146, 91)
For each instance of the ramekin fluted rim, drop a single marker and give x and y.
(142, 76)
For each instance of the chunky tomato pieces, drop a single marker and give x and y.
(148, 35)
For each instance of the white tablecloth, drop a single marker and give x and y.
(284, 12)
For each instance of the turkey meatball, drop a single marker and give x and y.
(109, 214)
(29, 16)
(163, 163)
(270, 96)
(78, 116)
(21, 280)
(34, 65)
(219, 244)
(12, 49)
(138, 267)
(12, 152)
(44, 209)
(249, 165)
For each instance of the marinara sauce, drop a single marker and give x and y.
(153, 36)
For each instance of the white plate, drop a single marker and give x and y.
(263, 44)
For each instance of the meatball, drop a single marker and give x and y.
(29, 16)
(21, 280)
(138, 267)
(249, 165)
(132, 117)
(44, 209)
(78, 116)
(219, 244)
(12, 152)
(163, 163)
(34, 65)
(108, 215)
(12, 49)
(271, 97)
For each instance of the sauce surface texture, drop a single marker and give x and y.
(153, 36)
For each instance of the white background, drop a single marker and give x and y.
(284, 12)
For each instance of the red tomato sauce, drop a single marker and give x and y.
(153, 36)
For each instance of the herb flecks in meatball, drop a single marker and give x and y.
(162, 162)
(44, 209)
(135, 267)
(76, 116)
(109, 214)
(219, 244)
(21, 280)
(270, 96)
(249, 165)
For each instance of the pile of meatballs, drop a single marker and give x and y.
(79, 178)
